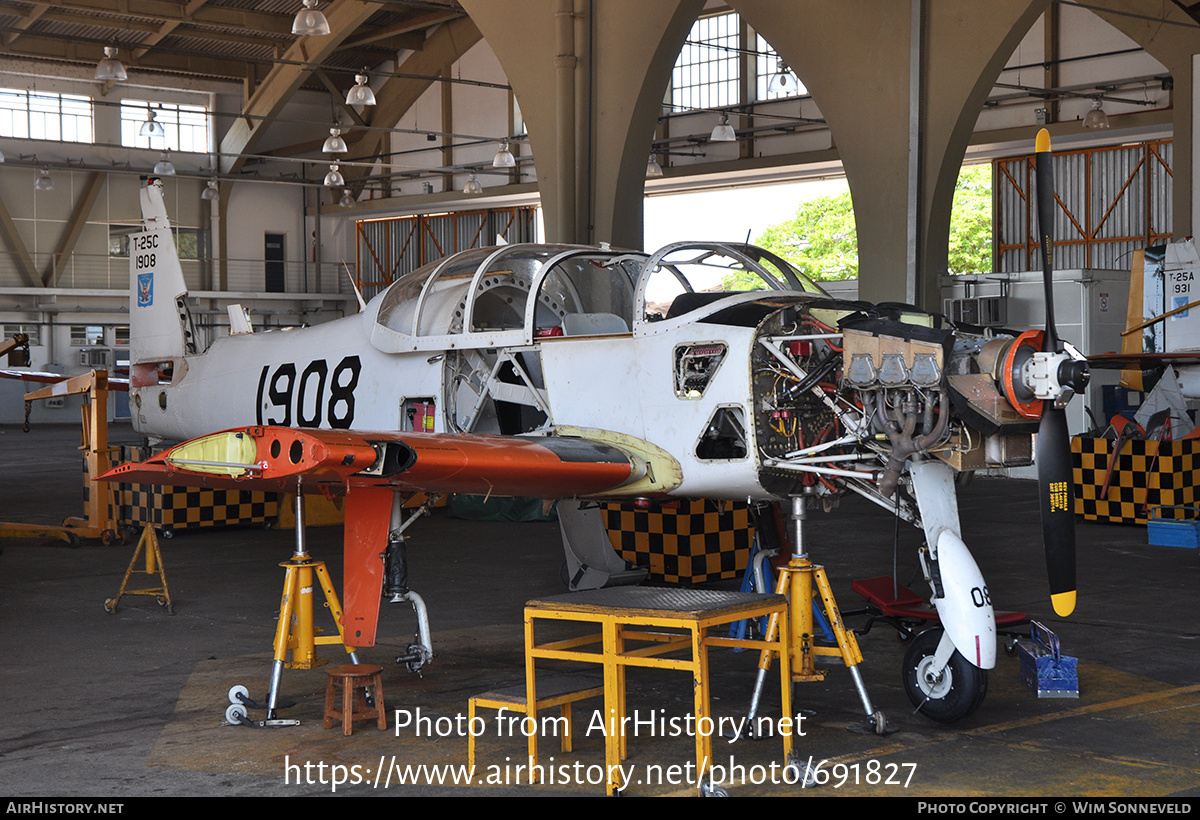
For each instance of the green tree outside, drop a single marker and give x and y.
(821, 241)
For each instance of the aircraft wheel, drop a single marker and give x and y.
(950, 696)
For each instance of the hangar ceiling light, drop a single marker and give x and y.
(1096, 118)
(723, 132)
(164, 167)
(334, 144)
(152, 128)
(109, 67)
(361, 94)
(309, 21)
(504, 157)
(43, 182)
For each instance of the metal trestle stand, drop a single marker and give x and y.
(302, 638)
(798, 580)
(154, 566)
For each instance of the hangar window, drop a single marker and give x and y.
(188, 241)
(34, 332)
(40, 115)
(706, 74)
(86, 335)
(185, 126)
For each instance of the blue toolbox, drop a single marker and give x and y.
(1181, 530)
(1044, 669)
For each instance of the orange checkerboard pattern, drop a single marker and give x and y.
(698, 541)
(1147, 474)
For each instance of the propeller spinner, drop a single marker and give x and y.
(1054, 375)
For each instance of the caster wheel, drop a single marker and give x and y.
(880, 721)
(167, 533)
(235, 715)
(160, 600)
(108, 538)
(713, 791)
(946, 697)
(238, 695)
(800, 773)
(110, 606)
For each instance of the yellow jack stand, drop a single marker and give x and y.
(796, 581)
(296, 631)
(297, 604)
(154, 566)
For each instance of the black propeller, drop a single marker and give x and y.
(1055, 482)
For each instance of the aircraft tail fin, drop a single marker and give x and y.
(161, 327)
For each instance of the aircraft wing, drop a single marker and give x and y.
(1142, 361)
(369, 467)
(281, 458)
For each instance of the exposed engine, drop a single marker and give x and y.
(853, 395)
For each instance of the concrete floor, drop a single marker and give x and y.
(132, 703)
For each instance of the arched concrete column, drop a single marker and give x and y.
(855, 59)
(590, 134)
(1174, 44)
(966, 49)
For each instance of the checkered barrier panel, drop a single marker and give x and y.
(697, 542)
(1147, 474)
(183, 507)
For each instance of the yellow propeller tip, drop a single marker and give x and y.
(1064, 603)
(1042, 144)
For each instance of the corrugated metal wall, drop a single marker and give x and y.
(1112, 201)
(390, 248)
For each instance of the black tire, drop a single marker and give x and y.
(960, 689)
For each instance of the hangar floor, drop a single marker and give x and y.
(132, 703)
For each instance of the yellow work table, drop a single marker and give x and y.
(625, 615)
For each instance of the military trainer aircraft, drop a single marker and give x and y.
(547, 371)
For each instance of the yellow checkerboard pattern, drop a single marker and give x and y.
(696, 542)
(1147, 474)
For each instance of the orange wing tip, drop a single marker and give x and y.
(1042, 143)
(1064, 603)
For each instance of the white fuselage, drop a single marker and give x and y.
(332, 376)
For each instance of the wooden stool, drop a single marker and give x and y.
(552, 691)
(354, 680)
